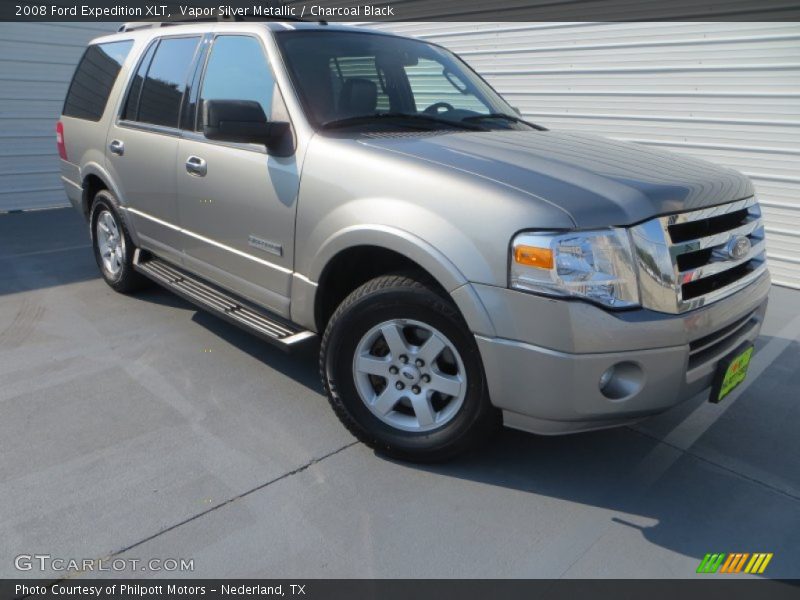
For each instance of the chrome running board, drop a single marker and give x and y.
(190, 287)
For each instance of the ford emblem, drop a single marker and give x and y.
(738, 247)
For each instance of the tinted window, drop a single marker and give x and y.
(430, 84)
(94, 78)
(346, 68)
(192, 94)
(238, 70)
(132, 101)
(343, 75)
(162, 91)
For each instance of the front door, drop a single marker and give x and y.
(236, 202)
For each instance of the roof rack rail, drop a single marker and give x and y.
(134, 25)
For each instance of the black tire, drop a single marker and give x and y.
(126, 279)
(405, 298)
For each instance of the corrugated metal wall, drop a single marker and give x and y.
(36, 64)
(726, 92)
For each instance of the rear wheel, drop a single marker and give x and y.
(403, 372)
(112, 244)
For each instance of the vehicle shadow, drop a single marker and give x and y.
(299, 364)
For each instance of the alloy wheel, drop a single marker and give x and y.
(110, 243)
(409, 375)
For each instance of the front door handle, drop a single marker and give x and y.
(196, 166)
(116, 147)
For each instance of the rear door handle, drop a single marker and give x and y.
(196, 166)
(116, 147)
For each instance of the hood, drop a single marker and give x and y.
(598, 181)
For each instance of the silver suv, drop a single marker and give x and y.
(463, 267)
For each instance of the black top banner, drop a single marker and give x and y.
(401, 10)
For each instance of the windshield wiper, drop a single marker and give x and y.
(502, 116)
(397, 116)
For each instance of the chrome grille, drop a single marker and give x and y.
(694, 258)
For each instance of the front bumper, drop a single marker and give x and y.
(544, 364)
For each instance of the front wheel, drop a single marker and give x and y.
(403, 372)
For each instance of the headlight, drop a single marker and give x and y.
(595, 265)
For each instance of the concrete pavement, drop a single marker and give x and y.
(138, 427)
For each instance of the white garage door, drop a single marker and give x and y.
(36, 64)
(726, 92)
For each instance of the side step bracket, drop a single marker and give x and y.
(256, 320)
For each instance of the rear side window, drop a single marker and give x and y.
(95, 76)
(164, 84)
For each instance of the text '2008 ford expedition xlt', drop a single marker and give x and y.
(463, 267)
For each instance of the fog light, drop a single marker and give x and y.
(605, 378)
(621, 381)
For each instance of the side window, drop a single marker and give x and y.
(163, 86)
(95, 76)
(238, 70)
(192, 94)
(131, 109)
(430, 85)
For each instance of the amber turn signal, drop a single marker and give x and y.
(531, 256)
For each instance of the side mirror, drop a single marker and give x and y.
(244, 121)
(517, 110)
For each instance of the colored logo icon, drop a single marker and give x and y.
(735, 562)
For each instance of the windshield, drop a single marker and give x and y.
(366, 80)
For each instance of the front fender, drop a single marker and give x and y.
(390, 238)
(427, 256)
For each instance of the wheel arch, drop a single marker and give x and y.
(95, 178)
(358, 254)
(91, 185)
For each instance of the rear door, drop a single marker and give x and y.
(142, 143)
(237, 207)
